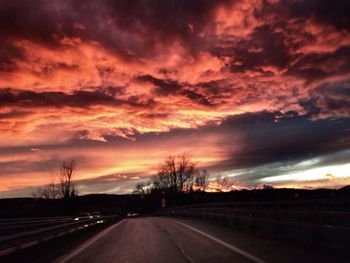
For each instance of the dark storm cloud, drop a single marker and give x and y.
(134, 29)
(253, 176)
(79, 99)
(122, 26)
(8, 54)
(154, 21)
(290, 139)
(164, 87)
(308, 67)
(37, 21)
(264, 48)
(333, 12)
(324, 11)
(331, 99)
(196, 97)
(218, 90)
(138, 26)
(278, 41)
(112, 91)
(54, 99)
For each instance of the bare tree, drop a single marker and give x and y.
(65, 176)
(201, 180)
(162, 181)
(45, 192)
(175, 174)
(223, 184)
(61, 185)
(49, 191)
(142, 188)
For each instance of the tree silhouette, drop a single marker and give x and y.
(67, 170)
(223, 184)
(201, 180)
(142, 188)
(64, 188)
(175, 174)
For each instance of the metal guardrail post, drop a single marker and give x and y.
(20, 240)
(303, 221)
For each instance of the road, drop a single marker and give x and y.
(173, 241)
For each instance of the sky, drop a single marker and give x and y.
(258, 91)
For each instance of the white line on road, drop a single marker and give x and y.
(223, 243)
(88, 243)
(183, 251)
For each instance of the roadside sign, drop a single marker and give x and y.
(163, 202)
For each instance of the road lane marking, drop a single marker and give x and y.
(88, 243)
(182, 250)
(223, 243)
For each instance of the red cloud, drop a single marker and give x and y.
(90, 70)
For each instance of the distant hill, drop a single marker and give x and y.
(122, 204)
(345, 188)
(30, 207)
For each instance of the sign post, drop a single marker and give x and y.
(163, 202)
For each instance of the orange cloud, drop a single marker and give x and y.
(97, 71)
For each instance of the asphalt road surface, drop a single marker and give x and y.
(173, 241)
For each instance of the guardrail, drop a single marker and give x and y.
(319, 223)
(16, 234)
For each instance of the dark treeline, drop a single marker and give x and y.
(41, 207)
(61, 185)
(151, 203)
(178, 178)
(176, 175)
(122, 204)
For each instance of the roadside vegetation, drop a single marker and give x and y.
(179, 178)
(61, 185)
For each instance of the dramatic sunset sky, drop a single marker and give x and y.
(257, 90)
